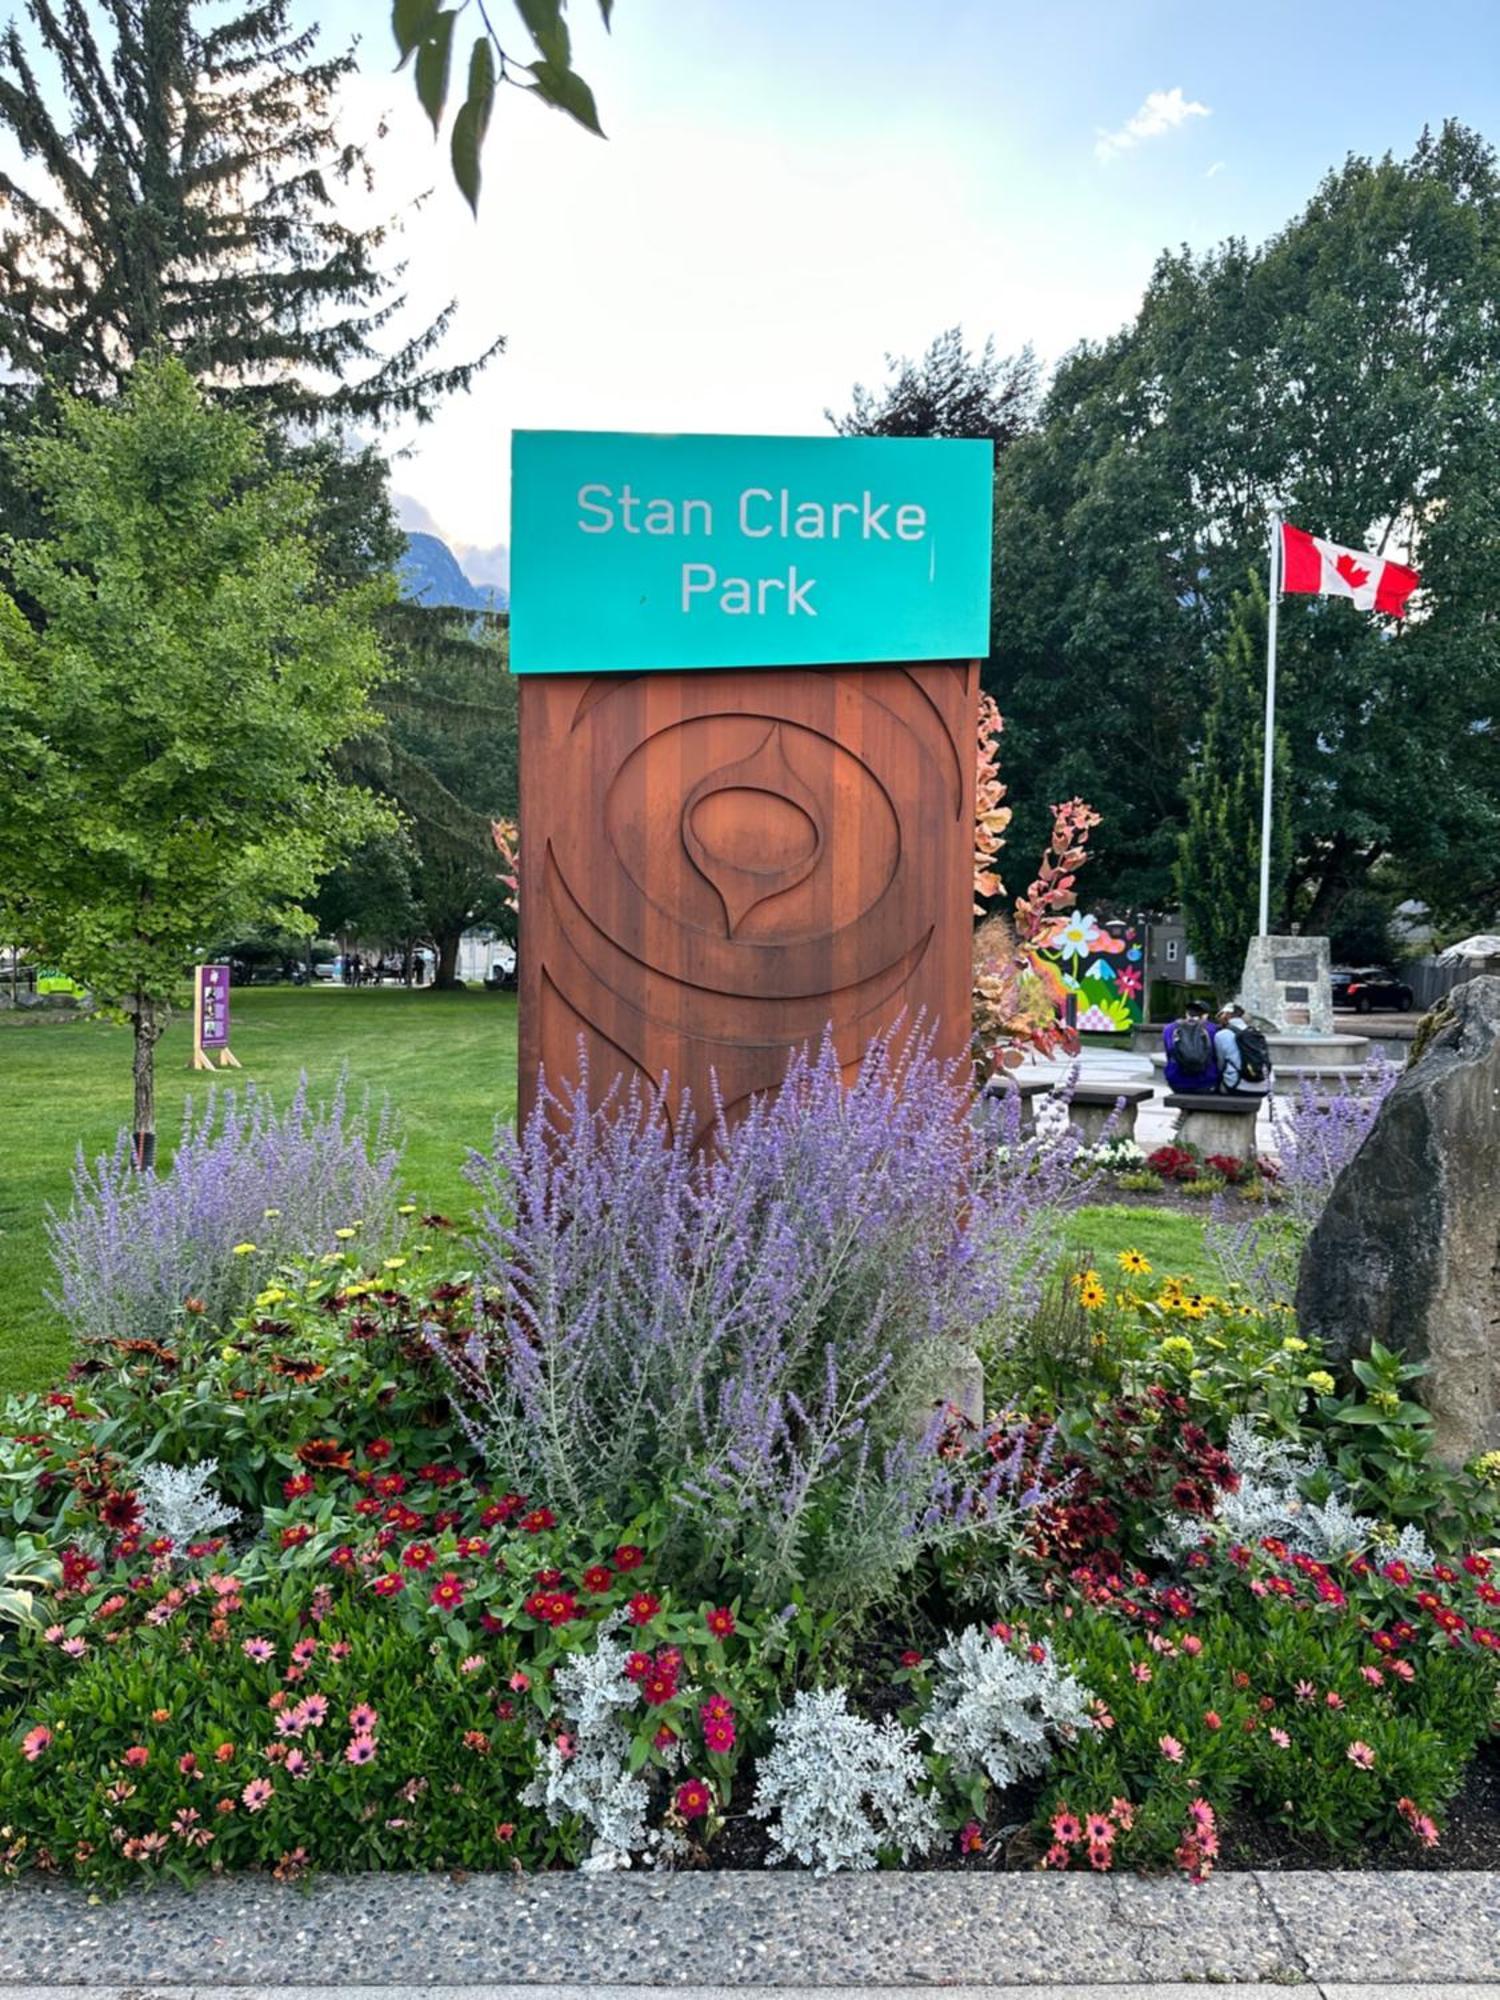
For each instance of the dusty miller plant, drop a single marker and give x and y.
(178, 1503)
(593, 1783)
(996, 1710)
(837, 1789)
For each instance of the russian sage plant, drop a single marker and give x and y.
(837, 1789)
(998, 1711)
(1317, 1135)
(760, 1331)
(133, 1247)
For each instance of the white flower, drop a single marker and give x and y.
(1078, 936)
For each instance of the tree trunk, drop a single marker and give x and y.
(447, 943)
(147, 1025)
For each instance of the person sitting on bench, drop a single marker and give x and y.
(1243, 1056)
(1189, 1048)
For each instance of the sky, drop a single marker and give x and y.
(792, 189)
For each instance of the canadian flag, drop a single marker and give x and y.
(1308, 563)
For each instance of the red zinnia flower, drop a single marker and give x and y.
(643, 1607)
(598, 1578)
(628, 1556)
(970, 1839)
(694, 1799)
(539, 1519)
(721, 1622)
(416, 1555)
(448, 1592)
(388, 1585)
(121, 1511)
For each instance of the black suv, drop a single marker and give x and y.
(1370, 988)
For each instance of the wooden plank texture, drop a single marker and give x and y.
(716, 865)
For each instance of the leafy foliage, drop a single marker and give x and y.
(425, 31)
(1218, 866)
(949, 393)
(1342, 372)
(167, 721)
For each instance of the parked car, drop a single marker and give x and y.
(1368, 988)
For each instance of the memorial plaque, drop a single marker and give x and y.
(746, 813)
(1294, 965)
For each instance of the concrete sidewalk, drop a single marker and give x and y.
(696, 1934)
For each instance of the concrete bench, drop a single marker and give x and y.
(1216, 1122)
(1006, 1083)
(1094, 1105)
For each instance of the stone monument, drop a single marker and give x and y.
(1286, 985)
(1407, 1252)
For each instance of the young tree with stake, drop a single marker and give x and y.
(168, 700)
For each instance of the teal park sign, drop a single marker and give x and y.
(635, 551)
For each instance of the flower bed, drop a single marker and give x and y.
(656, 1523)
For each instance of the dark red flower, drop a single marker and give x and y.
(121, 1511)
(643, 1607)
(720, 1622)
(598, 1578)
(628, 1556)
(539, 1520)
(448, 1592)
(327, 1454)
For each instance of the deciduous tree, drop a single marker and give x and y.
(168, 710)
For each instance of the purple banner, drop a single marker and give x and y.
(213, 1006)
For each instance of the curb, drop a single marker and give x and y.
(704, 1934)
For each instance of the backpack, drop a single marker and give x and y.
(1255, 1056)
(1192, 1050)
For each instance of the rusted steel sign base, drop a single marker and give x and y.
(715, 865)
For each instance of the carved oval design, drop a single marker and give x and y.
(795, 783)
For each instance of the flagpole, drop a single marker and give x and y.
(1269, 755)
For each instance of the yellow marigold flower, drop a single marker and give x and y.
(242, 1249)
(272, 1296)
(1133, 1262)
(343, 1235)
(1175, 1348)
(395, 1263)
(1293, 1345)
(1320, 1382)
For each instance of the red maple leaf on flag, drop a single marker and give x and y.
(1351, 572)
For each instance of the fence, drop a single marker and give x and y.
(1429, 981)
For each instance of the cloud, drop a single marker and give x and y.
(1216, 168)
(1162, 112)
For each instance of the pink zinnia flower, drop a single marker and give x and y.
(361, 1750)
(34, 1742)
(257, 1793)
(1361, 1754)
(1170, 1748)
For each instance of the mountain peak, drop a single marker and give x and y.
(430, 573)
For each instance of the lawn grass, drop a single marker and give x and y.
(1170, 1240)
(447, 1061)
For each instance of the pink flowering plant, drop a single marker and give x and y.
(1285, 1699)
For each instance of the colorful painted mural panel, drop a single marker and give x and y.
(1101, 963)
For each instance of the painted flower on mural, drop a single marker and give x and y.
(1076, 936)
(1128, 979)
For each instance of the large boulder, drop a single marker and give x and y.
(1407, 1251)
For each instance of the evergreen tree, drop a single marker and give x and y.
(447, 761)
(180, 193)
(949, 393)
(1218, 863)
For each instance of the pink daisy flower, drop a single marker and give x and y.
(363, 1720)
(361, 1750)
(256, 1794)
(1170, 1748)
